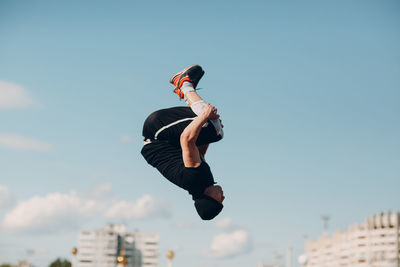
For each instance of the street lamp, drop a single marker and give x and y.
(74, 252)
(170, 255)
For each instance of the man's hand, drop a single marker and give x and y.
(210, 112)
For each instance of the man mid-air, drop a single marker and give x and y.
(176, 140)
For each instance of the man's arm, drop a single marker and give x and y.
(190, 152)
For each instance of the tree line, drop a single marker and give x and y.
(57, 263)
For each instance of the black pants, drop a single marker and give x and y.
(168, 125)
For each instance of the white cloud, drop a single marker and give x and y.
(125, 139)
(5, 196)
(224, 223)
(57, 211)
(14, 96)
(227, 245)
(48, 213)
(22, 143)
(145, 207)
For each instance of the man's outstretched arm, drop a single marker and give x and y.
(190, 152)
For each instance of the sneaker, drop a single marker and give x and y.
(190, 74)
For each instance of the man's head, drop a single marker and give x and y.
(210, 204)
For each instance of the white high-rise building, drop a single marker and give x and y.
(146, 245)
(374, 243)
(113, 245)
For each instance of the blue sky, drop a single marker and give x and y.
(308, 93)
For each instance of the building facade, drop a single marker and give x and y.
(374, 243)
(113, 246)
(145, 247)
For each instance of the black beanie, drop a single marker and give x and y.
(207, 207)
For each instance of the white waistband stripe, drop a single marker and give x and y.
(171, 124)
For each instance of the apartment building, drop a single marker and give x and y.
(113, 246)
(373, 243)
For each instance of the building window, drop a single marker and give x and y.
(85, 233)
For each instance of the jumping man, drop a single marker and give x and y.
(176, 140)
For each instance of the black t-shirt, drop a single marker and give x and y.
(167, 158)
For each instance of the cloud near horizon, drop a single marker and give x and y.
(145, 207)
(18, 142)
(14, 96)
(53, 211)
(228, 245)
(56, 212)
(224, 223)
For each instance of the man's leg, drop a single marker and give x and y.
(168, 125)
(185, 84)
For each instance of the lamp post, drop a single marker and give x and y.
(74, 251)
(121, 259)
(170, 255)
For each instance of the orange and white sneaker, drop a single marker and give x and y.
(190, 74)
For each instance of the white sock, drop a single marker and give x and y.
(187, 87)
(197, 108)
